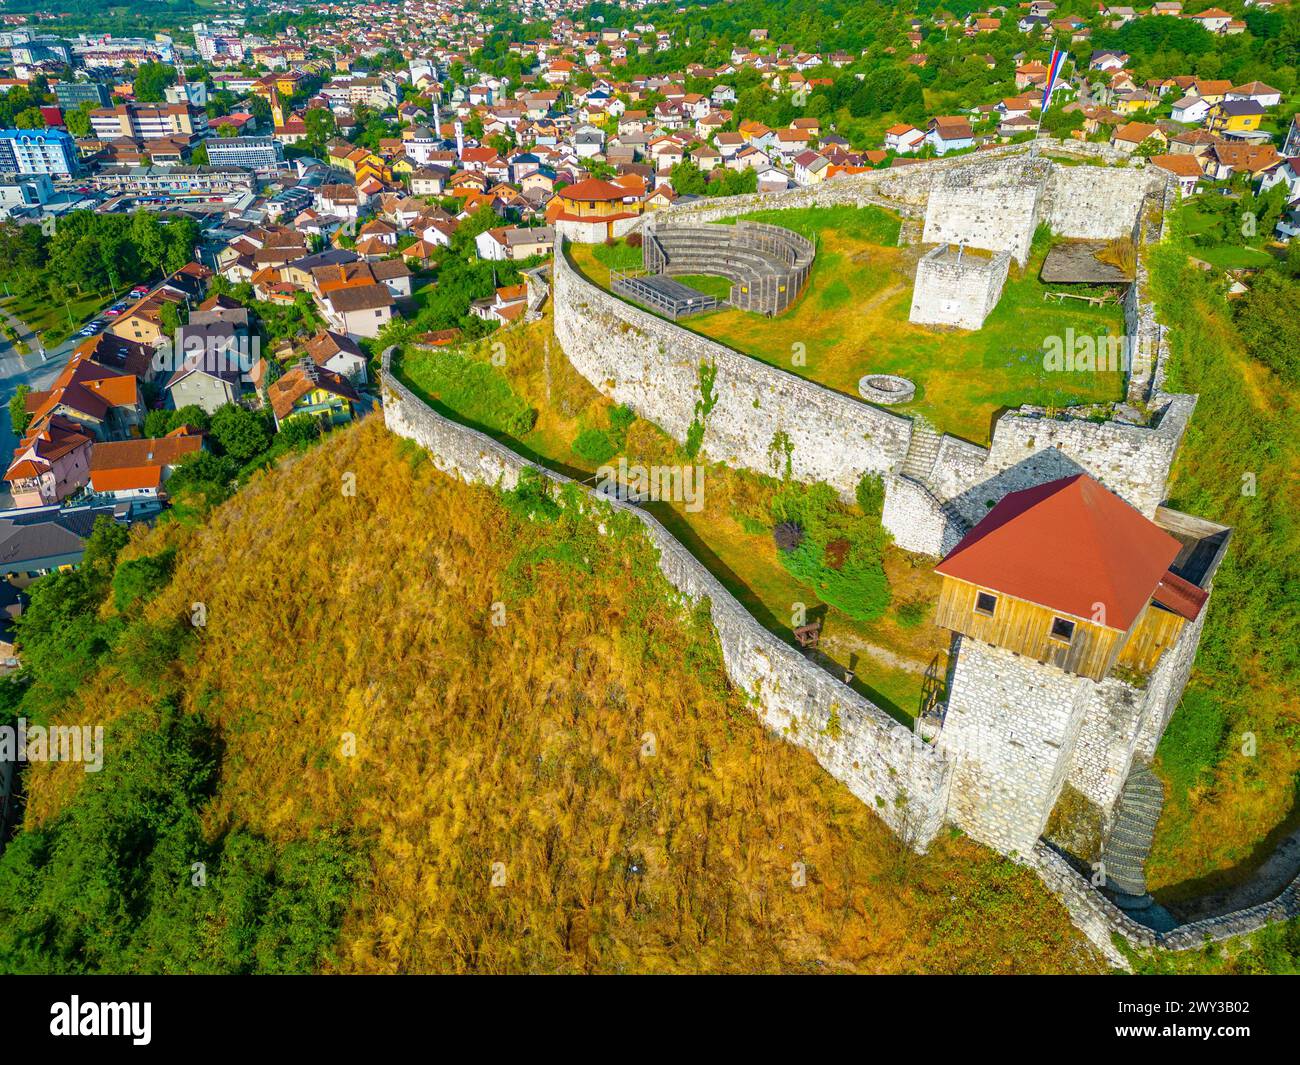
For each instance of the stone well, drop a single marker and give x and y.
(886, 388)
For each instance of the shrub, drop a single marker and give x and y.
(595, 445)
(871, 494)
(788, 535)
(910, 615)
(840, 553)
(531, 497)
(140, 579)
(621, 418)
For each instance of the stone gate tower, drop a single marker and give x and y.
(1076, 621)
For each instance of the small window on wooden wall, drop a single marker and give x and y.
(985, 604)
(1062, 629)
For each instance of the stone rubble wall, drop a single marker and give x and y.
(901, 778)
(916, 519)
(961, 291)
(1028, 448)
(1096, 203)
(654, 366)
(1102, 921)
(1104, 752)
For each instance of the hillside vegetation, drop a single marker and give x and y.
(1231, 755)
(381, 778)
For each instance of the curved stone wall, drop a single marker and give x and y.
(654, 367)
(901, 778)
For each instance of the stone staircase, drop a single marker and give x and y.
(1125, 851)
(922, 451)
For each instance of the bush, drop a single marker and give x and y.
(140, 579)
(621, 418)
(595, 445)
(910, 615)
(787, 535)
(531, 497)
(839, 554)
(871, 494)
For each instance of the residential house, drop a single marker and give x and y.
(213, 360)
(136, 471)
(1228, 158)
(950, 133)
(1191, 109)
(902, 138)
(1182, 166)
(504, 306)
(1129, 136)
(339, 354)
(515, 242)
(35, 541)
(359, 309)
(104, 401)
(311, 390)
(51, 463)
(1231, 118)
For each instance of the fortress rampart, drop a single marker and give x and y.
(752, 415)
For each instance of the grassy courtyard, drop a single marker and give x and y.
(852, 320)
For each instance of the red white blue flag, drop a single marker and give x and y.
(1053, 69)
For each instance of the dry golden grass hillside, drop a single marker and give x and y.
(575, 790)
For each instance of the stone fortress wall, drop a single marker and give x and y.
(907, 782)
(881, 761)
(758, 417)
(992, 207)
(655, 368)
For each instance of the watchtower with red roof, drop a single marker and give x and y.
(1076, 620)
(1069, 574)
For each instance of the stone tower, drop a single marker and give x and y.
(1075, 621)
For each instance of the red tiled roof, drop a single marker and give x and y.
(1069, 545)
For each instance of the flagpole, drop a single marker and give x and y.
(1047, 95)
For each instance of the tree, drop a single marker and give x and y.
(78, 120)
(31, 118)
(320, 127)
(152, 81)
(1267, 321)
(240, 433)
(18, 416)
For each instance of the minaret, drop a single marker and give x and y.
(437, 121)
(460, 139)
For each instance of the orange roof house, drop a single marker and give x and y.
(50, 464)
(1069, 573)
(103, 400)
(138, 468)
